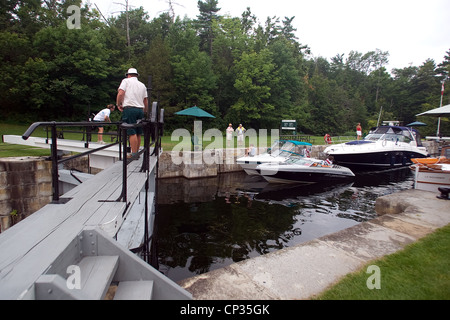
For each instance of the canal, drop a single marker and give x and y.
(206, 224)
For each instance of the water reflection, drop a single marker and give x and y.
(206, 224)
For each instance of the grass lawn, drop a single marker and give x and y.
(13, 150)
(419, 272)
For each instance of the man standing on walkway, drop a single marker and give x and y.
(132, 100)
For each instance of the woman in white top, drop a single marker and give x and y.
(103, 116)
(230, 132)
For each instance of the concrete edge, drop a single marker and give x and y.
(305, 270)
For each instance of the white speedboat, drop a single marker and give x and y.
(432, 173)
(303, 170)
(279, 152)
(385, 147)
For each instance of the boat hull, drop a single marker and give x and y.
(377, 160)
(303, 175)
(431, 178)
(249, 164)
(385, 147)
(432, 173)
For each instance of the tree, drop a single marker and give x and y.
(229, 43)
(193, 77)
(77, 66)
(208, 13)
(136, 32)
(156, 63)
(290, 90)
(255, 77)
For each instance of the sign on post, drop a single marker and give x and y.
(290, 125)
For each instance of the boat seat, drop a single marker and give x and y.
(444, 193)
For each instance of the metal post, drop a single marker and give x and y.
(55, 175)
(123, 196)
(438, 133)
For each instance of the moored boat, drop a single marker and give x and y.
(303, 170)
(385, 147)
(432, 173)
(279, 152)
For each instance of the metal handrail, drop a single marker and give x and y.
(151, 131)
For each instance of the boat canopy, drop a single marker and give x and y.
(284, 147)
(300, 143)
(394, 133)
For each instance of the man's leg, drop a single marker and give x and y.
(134, 143)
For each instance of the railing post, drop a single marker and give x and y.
(55, 175)
(124, 164)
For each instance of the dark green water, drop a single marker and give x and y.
(205, 224)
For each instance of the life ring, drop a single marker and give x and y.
(327, 138)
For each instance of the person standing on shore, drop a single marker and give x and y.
(230, 132)
(132, 100)
(358, 131)
(240, 135)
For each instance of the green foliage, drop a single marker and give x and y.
(254, 80)
(236, 68)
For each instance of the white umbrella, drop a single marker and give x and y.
(438, 112)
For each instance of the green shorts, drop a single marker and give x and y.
(132, 115)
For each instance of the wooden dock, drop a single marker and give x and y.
(91, 231)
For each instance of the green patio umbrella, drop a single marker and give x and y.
(196, 112)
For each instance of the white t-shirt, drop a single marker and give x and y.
(101, 116)
(135, 92)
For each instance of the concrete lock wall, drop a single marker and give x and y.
(209, 162)
(25, 187)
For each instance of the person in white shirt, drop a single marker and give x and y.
(230, 132)
(103, 116)
(132, 100)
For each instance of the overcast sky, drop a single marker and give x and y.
(410, 30)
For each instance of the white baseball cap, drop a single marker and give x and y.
(131, 71)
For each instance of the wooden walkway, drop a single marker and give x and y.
(32, 247)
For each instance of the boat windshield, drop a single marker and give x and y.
(300, 161)
(390, 134)
(284, 148)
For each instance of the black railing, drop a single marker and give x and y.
(297, 137)
(152, 137)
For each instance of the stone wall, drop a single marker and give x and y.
(25, 187)
(208, 163)
(198, 164)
